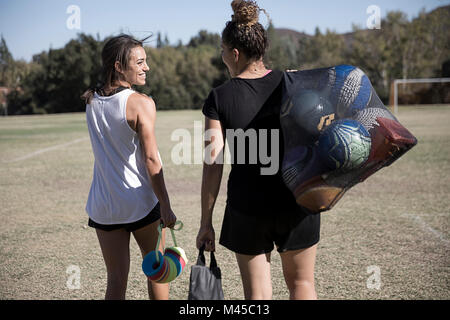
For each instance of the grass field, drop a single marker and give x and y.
(397, 220)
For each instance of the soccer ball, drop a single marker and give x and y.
(344, 145)
(309, 107)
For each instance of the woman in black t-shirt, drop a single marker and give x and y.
(260, 209)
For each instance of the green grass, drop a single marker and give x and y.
(398, 219)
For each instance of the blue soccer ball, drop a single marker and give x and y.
(344, 145)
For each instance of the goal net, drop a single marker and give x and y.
(419, 91)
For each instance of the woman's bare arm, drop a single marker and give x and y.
(145, 111)
(211, 178)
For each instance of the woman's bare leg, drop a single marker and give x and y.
(147, 237)
(115, 247)
(255, 274)
(298, 269)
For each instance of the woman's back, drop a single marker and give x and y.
(121, 191)
(252, 105)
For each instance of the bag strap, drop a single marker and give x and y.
(201, 261)
(213, 262)
(180, 226)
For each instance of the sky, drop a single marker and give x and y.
(32, 26)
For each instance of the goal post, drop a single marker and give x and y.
(396, 82)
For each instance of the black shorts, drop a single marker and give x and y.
(254, 235)
(153, 216)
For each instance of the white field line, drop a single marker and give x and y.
(427, 228)
(40, 151)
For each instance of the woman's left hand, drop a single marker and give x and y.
(206, 237)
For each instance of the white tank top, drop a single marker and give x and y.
(121, 190)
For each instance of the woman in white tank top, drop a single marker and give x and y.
(128, 193)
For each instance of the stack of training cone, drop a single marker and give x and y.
(165, 268)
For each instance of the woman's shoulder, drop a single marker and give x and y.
(139, 102)
(219, 91)
(140, 98)
(224, 86)
(274, 75)
(237, 86)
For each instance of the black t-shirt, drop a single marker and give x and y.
(252, 105)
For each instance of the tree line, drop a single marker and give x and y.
(181, 76)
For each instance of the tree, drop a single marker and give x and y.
(277, 56)
(59, 78)
(181, 76)
(322, 50)
(205, 38)
(6, 65)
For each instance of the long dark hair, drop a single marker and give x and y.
(244, 32)
(117, 48)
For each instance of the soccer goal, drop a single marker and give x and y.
(422, 90)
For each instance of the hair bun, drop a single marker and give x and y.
(246, 12)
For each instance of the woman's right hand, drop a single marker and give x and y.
(168, 218)
(206, 236)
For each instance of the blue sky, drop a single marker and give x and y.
(31, 26)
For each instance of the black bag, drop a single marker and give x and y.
(205, 283)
